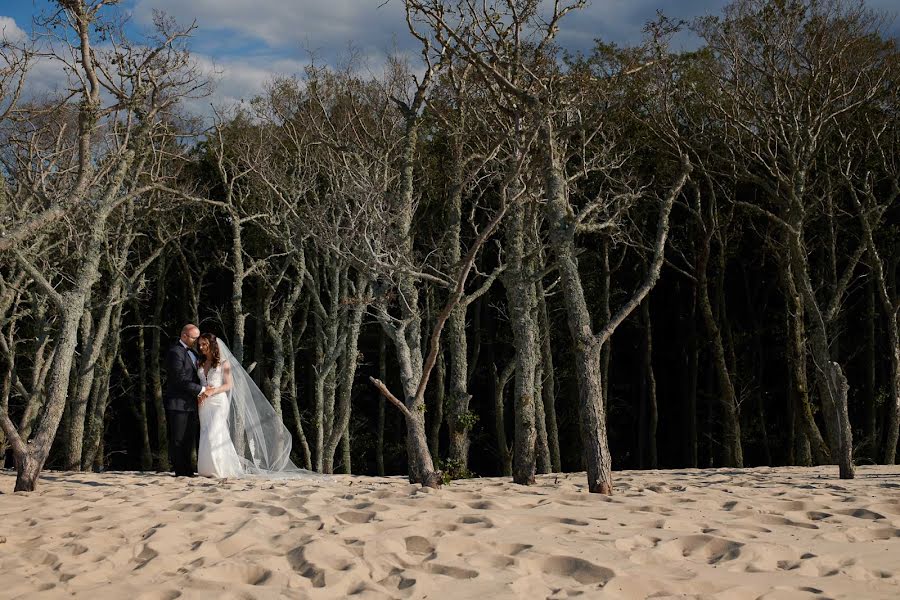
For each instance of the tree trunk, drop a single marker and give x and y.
(652, 410)
(588, 346)
(96, 425)
(587, 353)
(500, 381)
(408, 339)
(692, 375)
(345, 453)
(892, 433)
(142, 398)
(237, 288)
(832, 379)
(92, 341)
(606, 315)
(891, 313)
(318, 408)
(459, 420)
(259, 355)
(818, 449)
(733, 452)
(161, 454)
(870, 389)
(71, 305)
(520, 297)
(437, 411)
(548, 389)
(352, 323)
(541, 445)
(291, 384)
(382, 375)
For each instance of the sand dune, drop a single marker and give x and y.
(730, 534)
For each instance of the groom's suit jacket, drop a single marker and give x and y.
(182, 381)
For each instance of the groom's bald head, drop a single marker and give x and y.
(189, 334)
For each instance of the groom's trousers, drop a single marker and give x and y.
(182, 427)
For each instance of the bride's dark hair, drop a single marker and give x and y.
(214, 355)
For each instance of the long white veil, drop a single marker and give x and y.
(262, 442)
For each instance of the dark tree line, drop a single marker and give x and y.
(498, 259)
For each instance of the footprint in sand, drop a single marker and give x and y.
(816, 515)
(476, 521)
(580, 570)
(297, 560)
(450, 571)
(492, 561)
(512, 549)
(487, 505)
(145, 556)
(418, 545)
(707, 548)
(861, 513)
(247, 574)
(75, 549)
(356, 517)
(256, 508)
(859, 534)
(636, 542)
(159, 595)
(189, 508)
(779, 520)
(398, 581)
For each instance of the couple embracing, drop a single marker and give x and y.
(240, 433)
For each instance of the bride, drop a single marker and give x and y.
(240, 432)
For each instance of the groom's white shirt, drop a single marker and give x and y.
(193, 360)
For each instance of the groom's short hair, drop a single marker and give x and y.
(188, 327)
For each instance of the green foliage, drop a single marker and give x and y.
(466, 421)
(453, 469)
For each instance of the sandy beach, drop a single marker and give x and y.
(750, 533)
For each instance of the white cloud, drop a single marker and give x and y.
(9, 31)
(240, 79)
(316, 24)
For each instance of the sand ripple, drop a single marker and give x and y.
(730, 534)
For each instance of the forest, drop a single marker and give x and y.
(490, 257)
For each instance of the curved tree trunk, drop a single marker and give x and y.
(833, 382)
(728, 398)
(500, 381)
(291, 387)
(818, 450)
(71, 305)
(437, 409)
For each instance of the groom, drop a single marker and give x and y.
(182, 390)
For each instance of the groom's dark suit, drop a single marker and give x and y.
(182, 388)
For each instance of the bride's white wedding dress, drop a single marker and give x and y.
(216, 456)
(241, 434)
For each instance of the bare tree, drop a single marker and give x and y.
(511, 46)
(788, 74)
(873, 193)
(142, 82)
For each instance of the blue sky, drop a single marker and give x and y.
(250, 41)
